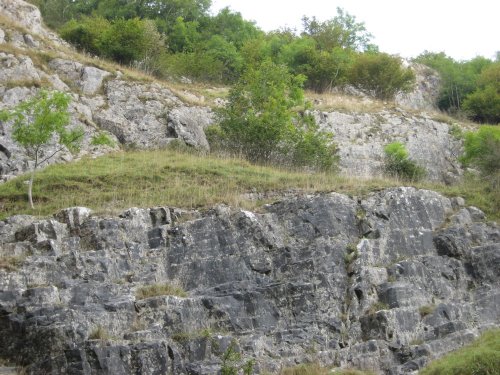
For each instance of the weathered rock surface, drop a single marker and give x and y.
(362, 136)
(426, 91)
(385, 282)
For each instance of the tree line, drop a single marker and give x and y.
(171, 38)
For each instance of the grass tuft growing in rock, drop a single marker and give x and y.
(159, 290)
(11, 263)
(99, 333)
(426, 310)
(480, 357)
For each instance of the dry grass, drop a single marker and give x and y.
(156, 290)
(100, 333)
(345, 103)
(316, 369)
(11, 263)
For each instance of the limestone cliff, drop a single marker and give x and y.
(384, 282)
(148, 114)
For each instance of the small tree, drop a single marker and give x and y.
(260, 123)
(37, 123)
(381, 74)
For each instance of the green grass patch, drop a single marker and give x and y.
(481, 357)
(117, 181)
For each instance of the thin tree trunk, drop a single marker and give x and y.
(30, 189)
(32, 177)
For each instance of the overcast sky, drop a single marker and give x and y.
(462, 29)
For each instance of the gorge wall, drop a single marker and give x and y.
(385, 282)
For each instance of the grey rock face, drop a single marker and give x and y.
(188, 123)
(362, 137)
(17, 69)
(370, 283)
(426, 91)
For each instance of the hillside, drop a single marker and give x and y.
(222, 266)
(138, 112)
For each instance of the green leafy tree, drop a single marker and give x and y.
(38, 123)
(129, 40)
(231, 26)
(380, 74)
(483, 105)
(459, 78)
(260, 124)
(184, 36)
(343, 31)
(399, 165)
(86, 34)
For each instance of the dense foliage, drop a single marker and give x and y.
(180, 38)
(471, 87)
(260, 123)
(482, 150)
(174, 38)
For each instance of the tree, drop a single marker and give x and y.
(381, 74)
(38, 123)
(483, 105)
(260, 124)
(342, 31)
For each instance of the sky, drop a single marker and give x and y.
(462, 29)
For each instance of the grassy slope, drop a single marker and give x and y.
(481, 357)
(117, 181)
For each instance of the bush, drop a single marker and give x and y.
(124, 41)
(381, 75)
(260, 124)
(398, 164)
(86, 33)
(481, 357)
(482, 150)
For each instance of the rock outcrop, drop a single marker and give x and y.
(384, 282)
(362, 137)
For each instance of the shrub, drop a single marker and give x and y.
(381, 75)
(483, 105)
(398, 164)
(259, 121)
(482, 150)
(86, 33)
(481, 357)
